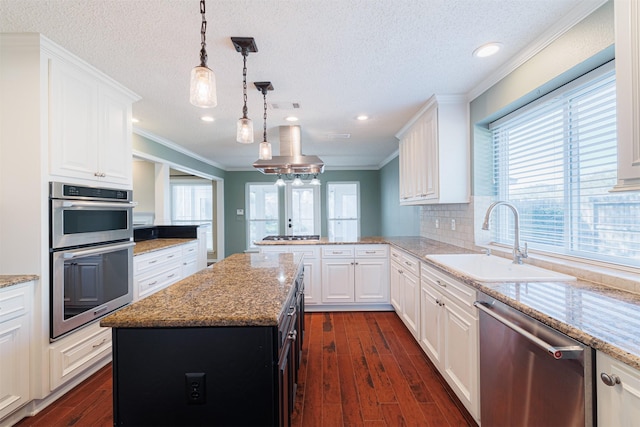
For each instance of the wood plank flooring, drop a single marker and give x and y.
(358, 369)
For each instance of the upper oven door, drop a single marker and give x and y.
(82, 222)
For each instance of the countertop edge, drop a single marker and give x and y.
(8, 280)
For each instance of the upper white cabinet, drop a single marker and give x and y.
(434, 153)
(627, 29)
(90, 126)
(618, 392)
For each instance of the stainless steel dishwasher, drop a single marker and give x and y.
(530, 374)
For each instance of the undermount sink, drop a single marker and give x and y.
(486, 268)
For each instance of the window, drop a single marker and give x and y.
(192, 203)
(556, 160)
(343, 211)
(262, 215)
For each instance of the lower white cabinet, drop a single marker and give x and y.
(72, 355)
(155, 270)
(15, 324)
(449, 334)
(311, 261)
(355, 274)
(190, 259)
(617, 392)
(405, 289)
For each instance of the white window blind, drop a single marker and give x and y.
(556, 160)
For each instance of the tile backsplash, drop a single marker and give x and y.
(452, 223)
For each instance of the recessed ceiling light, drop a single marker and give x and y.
(362, 117)
(207, 118)
(134, 120)
(487, 49)
(291, 118)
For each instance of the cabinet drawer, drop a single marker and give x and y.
(371, 251)
(309, 252)
(153, 260)
(14, 302)
(158, 281)
(410, 263)
(459, 292)
(396, 255)
(72, 355)
(275, 249)
(337, 251)
(190, 250)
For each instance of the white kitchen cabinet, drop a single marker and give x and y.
(449, 334)
(15, 325)
(156, 270)
(434, 153)
(202, 247)
(617, 399)
(627, 36)
(355, 274)
(311, 261)
(90, 126)
(405, 289)
(71, 356)
(189, 259)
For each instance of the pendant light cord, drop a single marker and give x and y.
(264, 96)
(244, 82)
(203, 37)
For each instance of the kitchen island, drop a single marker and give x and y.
(221, 347)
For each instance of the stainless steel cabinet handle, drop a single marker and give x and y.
(83, 204)
(610, 380)
(293, 335)
(441, 284)
(568, 352)
(100, 343)
(96, 251)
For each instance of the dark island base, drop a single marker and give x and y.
(152, 385)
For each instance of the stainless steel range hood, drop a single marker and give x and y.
(290, 160)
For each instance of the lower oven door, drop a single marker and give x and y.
(87, 283)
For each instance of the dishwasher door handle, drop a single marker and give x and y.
(568, 352)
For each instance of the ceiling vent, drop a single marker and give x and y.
(290, 160)
(285, 105)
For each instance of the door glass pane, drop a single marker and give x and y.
(263, 212)
(343, 211)
(302, 212)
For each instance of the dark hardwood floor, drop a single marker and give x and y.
(358, 369)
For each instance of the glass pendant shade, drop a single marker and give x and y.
(297, 181)
(203, 87)
(244, 133)
(265, 151)
(280, 182)
(315, 180)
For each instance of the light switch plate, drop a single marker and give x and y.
(239, 211)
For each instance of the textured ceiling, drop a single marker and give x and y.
(336, 58)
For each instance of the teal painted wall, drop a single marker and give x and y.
(234, 198)
(396, 220)
(147, 146)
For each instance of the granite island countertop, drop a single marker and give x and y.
(605, 318)
(144, 246)
(7, 280)
(241, 290)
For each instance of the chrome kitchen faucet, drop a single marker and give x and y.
(518, 253)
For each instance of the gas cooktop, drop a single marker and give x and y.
(294, 237)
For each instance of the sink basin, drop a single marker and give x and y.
(485, 268)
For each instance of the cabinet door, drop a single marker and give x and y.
(73, 122)
(14, 374)
(411, 303)
(337, 280)
(431, 322)
(312, 281)
(395, 281)
(114, 137)
(429, 156)
(460, 354)
(371, 280)
(627, 28)
(618, 403)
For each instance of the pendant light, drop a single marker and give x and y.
(244, 129)
(202, 91)
(265, 146)
(280, 182)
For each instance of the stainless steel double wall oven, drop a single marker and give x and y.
(91, 253)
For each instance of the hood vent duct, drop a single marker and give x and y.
(290, 161)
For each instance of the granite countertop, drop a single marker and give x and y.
(241, 290)
(145, 246)
(602, 317)
(7, 280)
